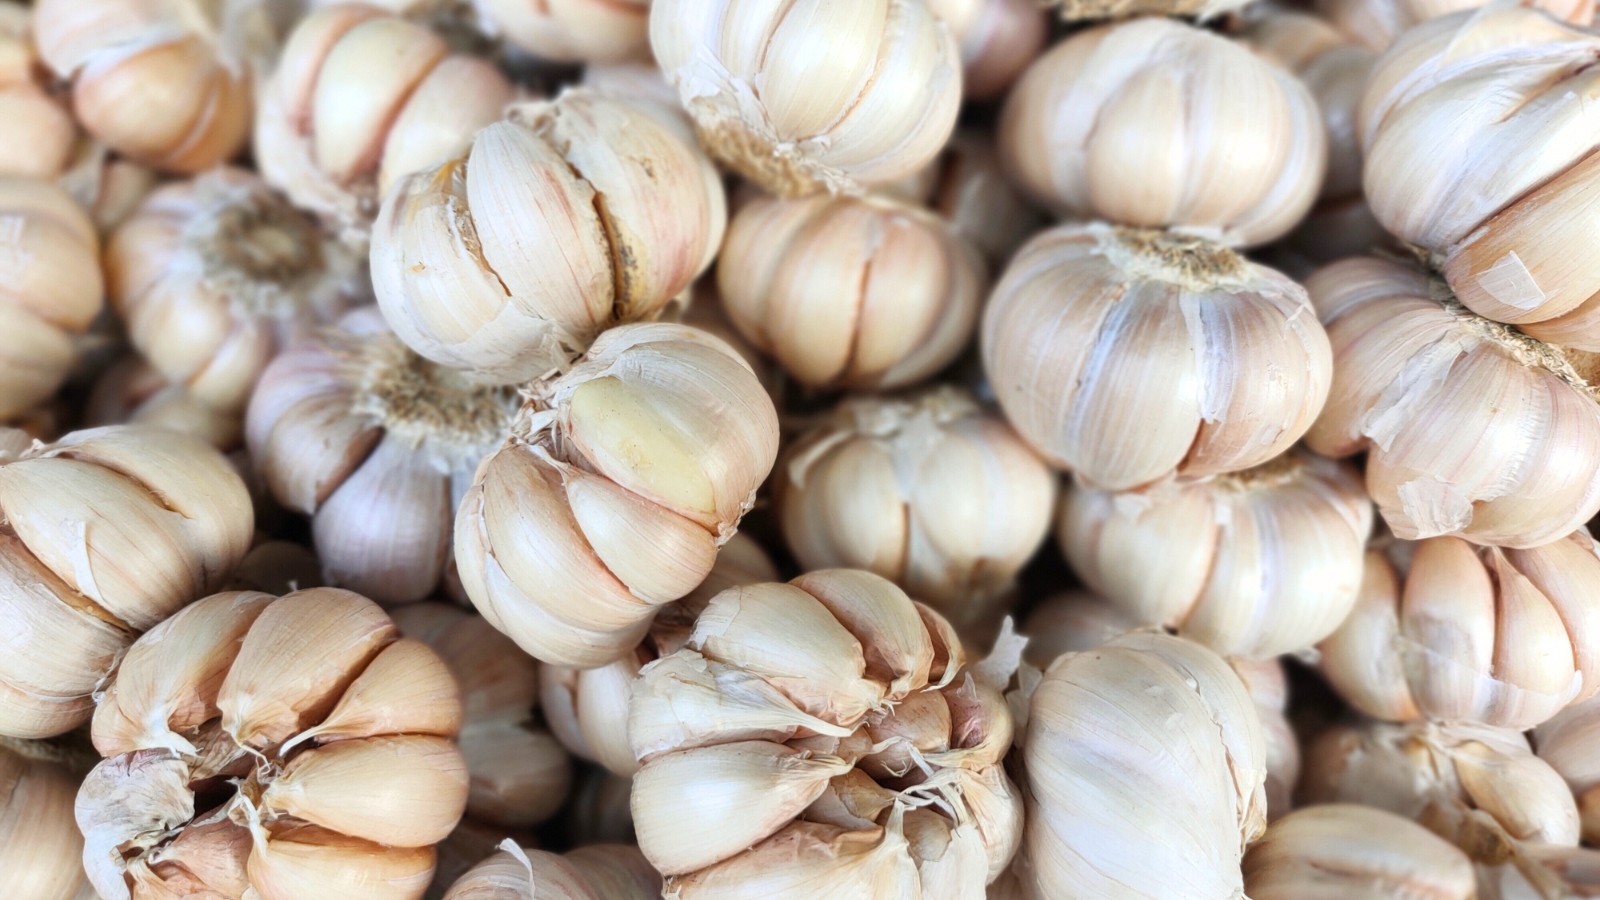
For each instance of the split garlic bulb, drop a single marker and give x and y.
(1129, 355)
(1254, 563)
(50, 289)
(592, 31)
(166, 84)
(214, 275)
(1570, 743)
(1161, 124)
(520, 773)
(1481, 149)
(563, 219)
(285, 747)
(813, 95)
(966, 186)
(1471, 428)
(596, 872)
(40, 133)
(107, 532)
(1445, 777)
(132, 391)
(851, 292)
(822, 738)
(1178, 725)
(377, 445)
(1377, 23)
(928, 491)
(361, 98)
(998, 38)
(40, 848)
(1355, 853)
(621, 479)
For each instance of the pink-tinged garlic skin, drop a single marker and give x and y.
(1355, 853)
(1479, 134)
(1155, 123)
(998, 39)
(167, 84)
(571, 31)
(1129, 356)
(1472, 429)
(1570, 743)
(1501, 636)
(40, 132)
(1375, 24)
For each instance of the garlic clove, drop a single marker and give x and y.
(1451, 613)
(307, 861)
(364, 80)
(519, 776)
(951, 863)
(385, 532)
(618, 428)
(440, 116)
(657, 553)
(852, 801)
(1354, 852)
(307, 46)
(1532, 649)
(1361, 659)
(893, 637)
(406, 689)
(948, 653)
(558, 699)
(919, 726)
(1526, 796)
(617, 872)
(868, 525)
(806, 860)
(602, 710)
(201, 859)
(1567, 742)
(997, 811)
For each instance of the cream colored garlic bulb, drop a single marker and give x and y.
(1447, 777)
(1377, 23)
(1157, 123)
(50, 289)
(597, 872)
(1129, 355)
(107, 532)
(998, 38)
(593, 31)
(851, 292)
(621, 479)
(1471, 428)
(928, 491)
(284, 748)
(1254, 563)
(823, 738)
(40, 847)
(377, 445)
(1144, 716)
(166, 84)
(563, 219)
(360, 99)
(133, 391)
(214, 275)
(40, 133)
(520, 773)
(1503, 636)
(1570, 743)
(813, 95)
(1355, 853)
(1480, 148)
(966, 186)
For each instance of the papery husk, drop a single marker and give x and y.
(1354, 853)
(1570, 744)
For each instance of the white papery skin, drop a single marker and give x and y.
(1145, 715)
(1480, 131)
(50, 288)
(595, 872)
(1375, 24)
(1471, 428)
(40, 847)
(813, 95)
(40, 133)
(1348, 852)
(620, 481)
(998, 38)
(1157, 123)
(1570, 742)
(107, 532)
(1129, 356)
(927, 491)
(1256, 563)
(361, 98)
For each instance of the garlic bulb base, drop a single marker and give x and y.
(778, 167)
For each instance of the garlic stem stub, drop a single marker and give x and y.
(1356, 853)
(813, 95)
(1570, 743)
(285, 747)
(40, 847)
(40, 132)
(561, 220)
(998, 38)
(1376, 24)
(1129, 356)
(107, 532)
(1480, 146)
(1158, 124)
(1471, 428)
(132, 391)
(377, 445)
(596, 872)
(621, 479)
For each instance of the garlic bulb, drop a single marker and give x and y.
(822, 738)
(50, 272)
(1354, 853)
(1158, 123)
(1129, 355)
(927, 491)
(561, 220)
(967, 187)
(1071, 622)
(1480, 150)
(845, 292)
(620, 480)
(40, 847)
(40, 134)
(133, 391)
(598, 872)
(520, 774)
(1178, 725)
(813, 95)
(1254, 563)
(998, 38)
(1570, 743)
(283, 748)
(1471, 428)
(215, 274)
(595, 31)
(360, 99)
(377, 445)
(165, 84)
(107, 532)
(1377, 23)
(1447, 777)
